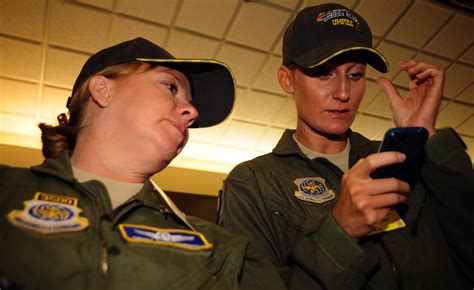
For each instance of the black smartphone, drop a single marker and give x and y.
(410, 141)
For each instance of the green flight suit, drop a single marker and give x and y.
(262, 200)
(46, 244)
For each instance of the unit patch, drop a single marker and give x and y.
(49, 214)
(313, 189)
(182, 239)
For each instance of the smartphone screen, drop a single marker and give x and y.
(410, 141)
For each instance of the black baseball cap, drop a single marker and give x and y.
(320, 33)
(212, 82)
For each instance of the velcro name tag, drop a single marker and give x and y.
(181, 239)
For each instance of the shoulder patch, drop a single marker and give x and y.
(313, 189)
(181, 239)
(49, 214)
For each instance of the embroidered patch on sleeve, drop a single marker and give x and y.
(313, 189)
(181, 239)
(49, 214)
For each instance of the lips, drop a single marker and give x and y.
(183, 129)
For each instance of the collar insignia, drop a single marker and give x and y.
(181, 239)
(49, 214)
(313, 189)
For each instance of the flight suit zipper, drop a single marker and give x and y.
(102, 246)
(393, 265)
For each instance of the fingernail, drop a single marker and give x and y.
(401, 156)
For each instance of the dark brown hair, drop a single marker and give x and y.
(57, 138)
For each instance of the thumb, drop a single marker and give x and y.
(390, 91)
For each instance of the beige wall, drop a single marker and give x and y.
(171, 179)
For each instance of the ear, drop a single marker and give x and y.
(99, 87)
(285, 77)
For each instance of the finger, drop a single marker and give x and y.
(377, 160)
(376, 216)
(379, 201)
(428, 73)
(419, 67)
(386, 185)
(389, 89)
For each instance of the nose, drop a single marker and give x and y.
(341, 91)
(188, 112)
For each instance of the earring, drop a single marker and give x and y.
(106, 99)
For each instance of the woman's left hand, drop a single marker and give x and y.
(420, 107)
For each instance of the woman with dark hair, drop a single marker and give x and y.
(129, 114)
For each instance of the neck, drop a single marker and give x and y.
(319, 141)
(101, 156)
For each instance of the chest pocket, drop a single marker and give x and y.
(284, 215)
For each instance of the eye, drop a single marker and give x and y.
(356, 75)
(172, 88)
(323, 73)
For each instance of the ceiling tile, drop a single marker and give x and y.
(467, 127)
(270, 139)
(421, 21)
(371, 127)
(210, 17)
(230, 155)
(14, 13)
(372, 89)
(20, 59)
(240, 95)
(124, 29)
(18, 97)
(242, 135)
(53, 102)
(159, 11)
(402, 78)
(454, 38)
(453, 115)
(104, 4)
(257, 25)
(381, 16)
(63, 67)
(77, 27)
(267, 79)
(468, 56)
(279, 47)
(291, 4)
(19, 124)
(458, 77)
(196, 150)
(287, 117)
(209, 135)
(347, 3)
(394, 53)
(188, 45)
(468, 95)
(244, 70)
(259, 107)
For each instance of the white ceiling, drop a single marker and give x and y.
(43, 44)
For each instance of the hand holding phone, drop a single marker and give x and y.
(409, 141)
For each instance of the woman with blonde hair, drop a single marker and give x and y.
(129, 114)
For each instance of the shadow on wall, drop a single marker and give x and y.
(201, 206)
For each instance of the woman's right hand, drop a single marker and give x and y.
(364, 202)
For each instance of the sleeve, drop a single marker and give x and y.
(324, 258)
(258, 273)
(449, 176)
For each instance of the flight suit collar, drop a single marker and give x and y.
(360, 146)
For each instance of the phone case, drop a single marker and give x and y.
(410, 141)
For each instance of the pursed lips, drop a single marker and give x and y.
(183, 129)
